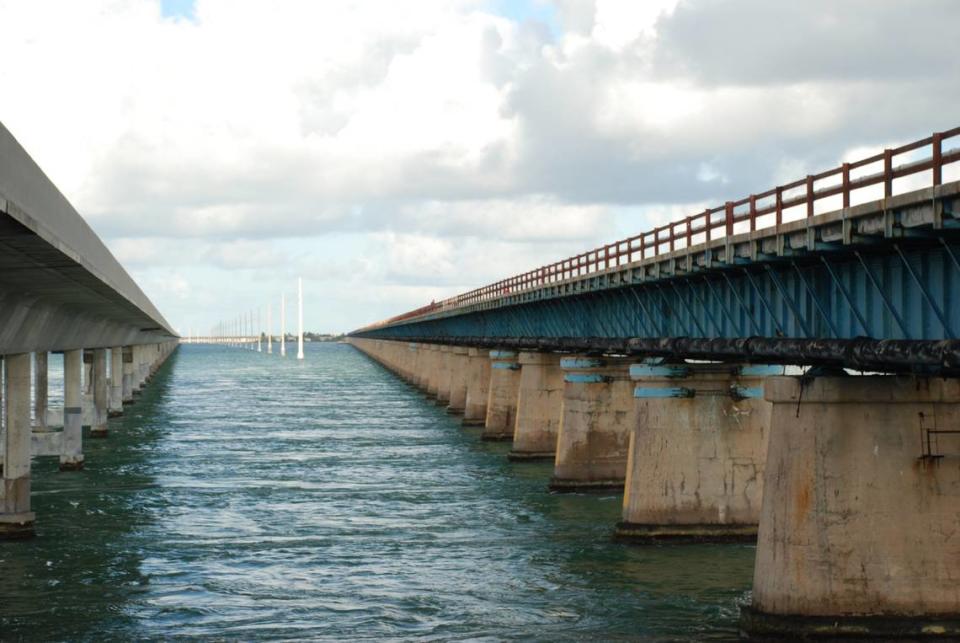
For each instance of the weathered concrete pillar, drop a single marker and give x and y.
(98, 428)
(143, 367)
(431, 368)
(861, 510)
(697, 453)
(16, 519)
(416, 375)
(502, 398)
(88, 375)
(41, 390)
(539, 407)
(127, 377)
(458, 379)
(116, 382)
(478, 387)
(598, 415)
(137, 354)
(71, 441)
(443, 375)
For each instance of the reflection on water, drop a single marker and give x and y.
(246, 496)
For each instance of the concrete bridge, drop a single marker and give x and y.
(713, 370)
(61, 291)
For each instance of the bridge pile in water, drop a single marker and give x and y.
(657, 365)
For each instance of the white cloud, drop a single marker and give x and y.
(394, 151)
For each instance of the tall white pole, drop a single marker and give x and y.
(283, 325)
(259, 332)
(299, 318)
(269, 329)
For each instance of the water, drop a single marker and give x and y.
(249, 497)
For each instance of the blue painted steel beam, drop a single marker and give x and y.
(911, 293)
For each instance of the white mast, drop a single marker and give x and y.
(269, 329)
(283, 325)
(299, 318)
(259, 333)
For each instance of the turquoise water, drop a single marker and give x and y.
(248, 497)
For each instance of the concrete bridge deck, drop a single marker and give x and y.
(60, 287)
(61, 290)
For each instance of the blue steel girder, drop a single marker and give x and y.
(891, 274)
(910, 294)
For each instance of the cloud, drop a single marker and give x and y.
(394, 150)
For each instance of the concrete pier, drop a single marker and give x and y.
(539, 407)
(696, 453)
(478, 387)
(71, 440)
(142, 366)
(431, 368)
(414, 358)
(98, 425)
(136, 369)
(16, 519)
(116, 382)
(861, 510)
(443, 375)
(459, 363)
(502, 397)
(598, 416)
(127, 377)
(41, 390)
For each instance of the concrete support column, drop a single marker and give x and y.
(416, 377)
(127, 378)
(861, 510)
(443, 375)
(502, 398)
(71, 441)
(143, 367)
(98, 427)
(41, 390)
(697, 453)
(116, 381)
(88, 375)
(598, 416)
(431, 368)
(16, 519)
(137, 353)
(458, 380)
(539, 407)
(478, 387)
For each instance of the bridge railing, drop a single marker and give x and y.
(755, 212)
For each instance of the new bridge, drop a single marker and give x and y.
(668, 365)
(61, 290)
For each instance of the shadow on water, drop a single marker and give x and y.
(76, 579)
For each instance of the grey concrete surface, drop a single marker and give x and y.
(60, 287)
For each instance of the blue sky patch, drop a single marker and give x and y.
(522, 10)
(177, 9)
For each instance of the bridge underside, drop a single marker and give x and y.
(60, 288)
(873, 287)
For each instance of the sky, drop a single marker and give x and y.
(392, 153)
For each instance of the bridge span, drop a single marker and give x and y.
(781, 369)
(61, 290)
